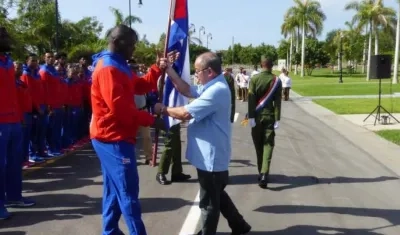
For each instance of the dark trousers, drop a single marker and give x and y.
(26, 129)
(214, 200)
(38, 134)
(263, 135)
(54, 138)
(66, 129)
(285, 93)
(76, 124)
(172, 152)
(10, 162)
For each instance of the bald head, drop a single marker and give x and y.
(210, 60)
(122, 40)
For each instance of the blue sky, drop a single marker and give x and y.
(252, 23)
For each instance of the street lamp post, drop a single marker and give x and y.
(57, 27)
(340, 58)
(130, 12)
(201, 30)
(192, 29)
(209, 36)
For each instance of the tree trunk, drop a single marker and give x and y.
(291, 52)
(369, 50)
(376, 41)
(395, 79)
(365, 50)
(303, 48)
(297, 49)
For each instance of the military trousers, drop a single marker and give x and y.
(263, 135)
(172, 152)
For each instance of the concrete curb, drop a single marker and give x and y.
(52, 161)
(378, 148)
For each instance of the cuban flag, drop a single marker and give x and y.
(178, 40)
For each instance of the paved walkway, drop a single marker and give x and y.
(328, 176)
(395, 95)
(357, 119)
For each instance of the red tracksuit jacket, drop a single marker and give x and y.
(9, 107)
(24, 98)
(52, 86)
(75, 91)
(114, 114)
(35, 86)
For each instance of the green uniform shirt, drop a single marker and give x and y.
(231, 84)
(259, 84)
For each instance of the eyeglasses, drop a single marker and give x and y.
(199, 71)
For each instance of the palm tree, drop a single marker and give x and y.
(121, 19)
(395, 79)
(350, 40)
(289, 26)
(374, 14)
(311, 17)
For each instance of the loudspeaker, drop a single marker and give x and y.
(380, 67)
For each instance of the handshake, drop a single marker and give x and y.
(159, 122)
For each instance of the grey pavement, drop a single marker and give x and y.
(328, 176)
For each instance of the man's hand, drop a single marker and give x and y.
(158, 108)
(252, 122)
(159, 124)
(173, 56)
(276, 125)
(163, 63)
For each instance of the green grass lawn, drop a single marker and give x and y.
(358, 106)
(391, 135)
(323, 82)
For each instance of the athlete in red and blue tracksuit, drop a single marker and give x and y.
(26, 107)
(31, 77)
(115, 121)
(75, 103)
(87, 112)
(10, 134)
(55, 102)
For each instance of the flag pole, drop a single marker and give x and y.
(153, 162)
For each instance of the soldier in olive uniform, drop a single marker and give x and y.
(231, 83)
(172, 154)
(264, 111)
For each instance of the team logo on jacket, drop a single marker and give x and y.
(126, 161)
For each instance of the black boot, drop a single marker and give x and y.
(263, 182)
(161, 179)
(245, 228)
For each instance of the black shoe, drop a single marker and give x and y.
(180, 177)
(263, 182)
(246, 228)
(162, 179)
(147, 162)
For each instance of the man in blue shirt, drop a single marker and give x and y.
(209, 140)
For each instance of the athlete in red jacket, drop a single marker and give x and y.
(75, 104)
(11, 133)
(26, 107)
(85, 79)
(55, 102)
(113, 128)
(31, 77)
